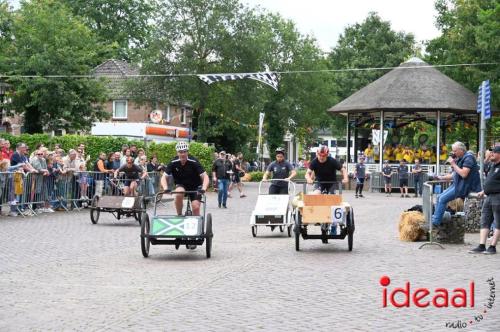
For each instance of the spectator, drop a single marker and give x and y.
(491, 207)
(123, 159)
(465, 177)
(221, 178)
(140, 154)
(360, 175)
(124, 149)
(417, 177)
(133, 150)
(115, 162)
(403, 178)
(6, 152)
(369, 153)
(387, 173)
(238, 173)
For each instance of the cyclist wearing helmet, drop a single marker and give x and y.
(188, 175)
(281, 169)
(325, 169)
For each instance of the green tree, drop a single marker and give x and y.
(124, 24)
(371, 43)
(6, 36)
(469, 35)
(201, 36)
(49, 40)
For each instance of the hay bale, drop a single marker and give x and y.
(410, 226)
(456, 205)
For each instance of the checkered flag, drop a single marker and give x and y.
(269, 78)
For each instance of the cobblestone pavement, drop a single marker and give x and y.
(60, 272)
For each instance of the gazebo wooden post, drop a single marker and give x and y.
(348, 133)
(355, 145)
(381, 143)
(438, 140)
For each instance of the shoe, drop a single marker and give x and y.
(229, 196)
(386, 195)
(490, 251)
(191, 246)
(48, 210)
(416, 195)
(478, 250)
(360, 195)
(402, 195)
(407, 196)
(13, 214)
(219, 205)
(37, 211)
(224, 206)
(356, 196)
(243, 195)
(85, 205)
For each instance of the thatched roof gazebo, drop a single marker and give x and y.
(414, 91)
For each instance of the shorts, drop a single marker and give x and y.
(127, 183)
(491, 211)
(192, 196)
(236, 178)
(387, 180)
(277, 190)
(328, 188)
(403, 182)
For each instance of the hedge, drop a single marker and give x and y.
(96, 144)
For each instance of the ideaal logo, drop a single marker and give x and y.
(439, 298)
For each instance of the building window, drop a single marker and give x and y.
(183, 116)
(167, 114)
(119, 109)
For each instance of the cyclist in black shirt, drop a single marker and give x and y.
(132, 174)
(325, 169)
(188, 175)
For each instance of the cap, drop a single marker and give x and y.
(496, 149)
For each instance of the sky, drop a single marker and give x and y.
(327, 19)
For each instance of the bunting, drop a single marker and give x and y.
(269, 78)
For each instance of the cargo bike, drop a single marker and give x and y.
(333, 216)
(110, 198)
(273, 210)
(172, 229)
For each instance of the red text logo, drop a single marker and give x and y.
(406, 296)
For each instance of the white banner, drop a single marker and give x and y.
(261, 124)
(376, 136)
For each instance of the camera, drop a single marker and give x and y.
(454, 156)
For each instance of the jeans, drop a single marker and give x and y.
(447, 196)
(223, 185)
(418, 186)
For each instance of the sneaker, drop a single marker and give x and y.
(478, 250)
(407, 196)
(361, 195)
(356, 196)
(48, 210)
(402, 195)
(220, 205)
(491, 251)
(224, 206)
(13, 214)
(85, 205)
(191, 246)
(243, 195)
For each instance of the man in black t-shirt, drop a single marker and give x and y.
(324, 169)
(360, 175)
(403, 178)
(188, 175)
(387, 173)
(417, 177)
(132, 174)
(491, 206)
(221, 173)
(282, 170)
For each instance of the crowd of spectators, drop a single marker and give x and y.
(45, 180)
(394, 153)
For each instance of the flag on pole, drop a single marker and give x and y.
(269, 78)
(484, 93)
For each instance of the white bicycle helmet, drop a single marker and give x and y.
(181, 146)
(280, 150)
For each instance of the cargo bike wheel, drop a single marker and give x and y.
(298, 220)
(208, 235)
(350, 229)
(145, 242)
(139, 214)
(95, 211)
(254, 231)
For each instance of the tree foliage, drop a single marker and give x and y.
(470, 34)
(125, 25)
(49, 40)
(201, 36)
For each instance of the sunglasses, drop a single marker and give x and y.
(39, 154)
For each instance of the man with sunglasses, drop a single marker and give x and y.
(188, 175)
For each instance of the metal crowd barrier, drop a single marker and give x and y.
(33, 193)
(377, 181)
(430, 190)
